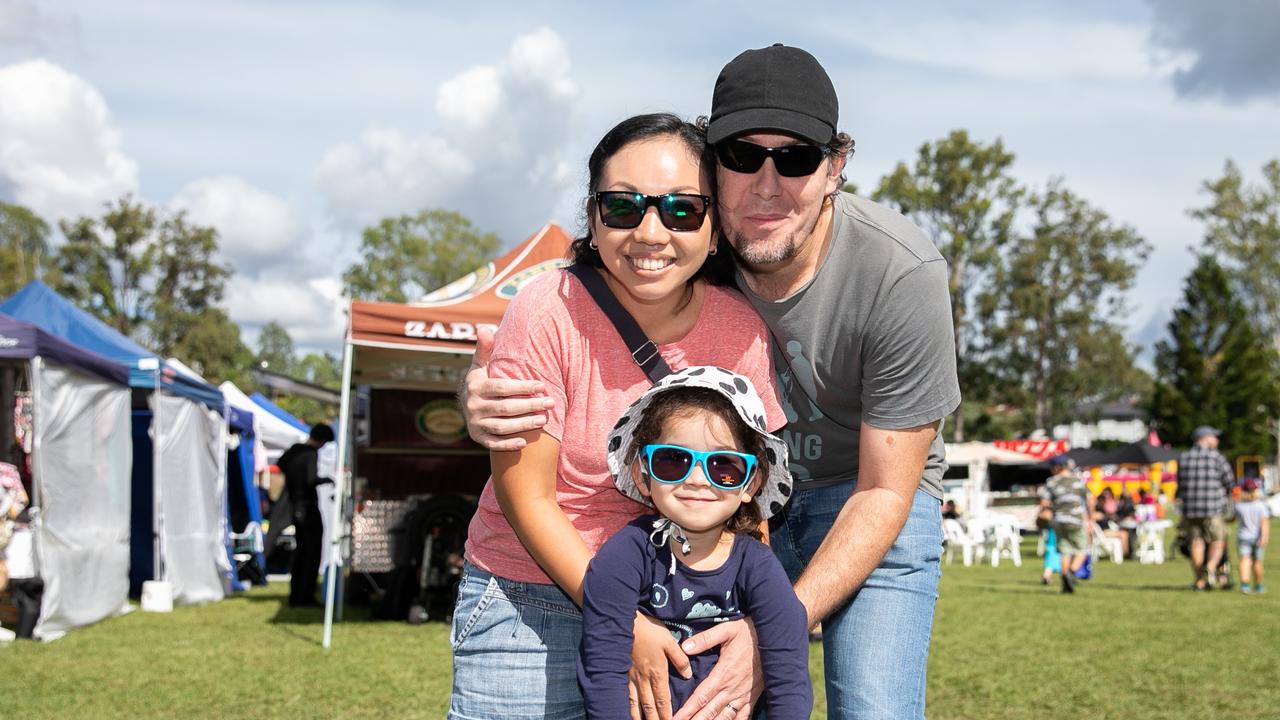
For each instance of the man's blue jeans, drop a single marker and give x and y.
(876, 648)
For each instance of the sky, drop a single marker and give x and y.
(290, 125)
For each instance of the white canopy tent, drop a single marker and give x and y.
(82, 456)
(978, 456)
(274, 434)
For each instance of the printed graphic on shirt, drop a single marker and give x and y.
(703, 610)
(658, 596)
(679, 631)
(797, 388)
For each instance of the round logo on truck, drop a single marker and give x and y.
(440, 421)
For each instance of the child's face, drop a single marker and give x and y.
(695, 504)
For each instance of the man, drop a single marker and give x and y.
(1204, 483)
(1064, 494)
(857, 300)
(299, 464)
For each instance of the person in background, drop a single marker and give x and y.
(1109, 512)
(949, 510)
(1072, 504)
(301, 476)
(1252, 537)
(1204, 482)
(17, 552)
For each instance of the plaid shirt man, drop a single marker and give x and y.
(1204, 480)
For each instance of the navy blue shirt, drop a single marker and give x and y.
(630, 573)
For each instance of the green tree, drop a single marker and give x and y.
(105, 262)
(275, 349)
(402, 258)
(154, 277)
(186, 283)
(960, 192)
(24, 249)
(1242, 227)
(318, 369)
(1054, 307)
(1215, 369)
(211, 345)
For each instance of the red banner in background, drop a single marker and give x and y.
(1036, 448)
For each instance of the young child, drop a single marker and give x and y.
(1252, 537)
(695, 448)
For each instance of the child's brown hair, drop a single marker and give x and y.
(684, 401)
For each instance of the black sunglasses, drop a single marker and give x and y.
(681, 212)
(789, 160)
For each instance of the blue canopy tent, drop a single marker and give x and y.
(80, 458)
(279, 412)
(179, 484)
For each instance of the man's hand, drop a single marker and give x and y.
(736, 681)
(647, 684)
(497, 410)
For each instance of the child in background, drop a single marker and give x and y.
(1252, 537)
(695, 448)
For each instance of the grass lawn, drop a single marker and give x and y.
(1134, 643)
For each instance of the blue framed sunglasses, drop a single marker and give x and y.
(672, 464)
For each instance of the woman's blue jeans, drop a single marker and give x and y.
(515, 651)
(876, 648)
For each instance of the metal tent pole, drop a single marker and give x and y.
(339, 491)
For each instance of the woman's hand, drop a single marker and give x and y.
(647, 683)
(737, 680)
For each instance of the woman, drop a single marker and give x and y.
(551, 504)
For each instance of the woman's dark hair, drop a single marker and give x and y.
(684, 401)
(717, 268)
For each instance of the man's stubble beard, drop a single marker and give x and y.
(756, 254)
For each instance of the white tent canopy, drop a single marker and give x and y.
(275, 434)
(978, 456)
(83, 454)
(191, 445)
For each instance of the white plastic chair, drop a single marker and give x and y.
(1005, 542)
(1111, 545)
(1151, 541)
(955, 536)
(245, 545)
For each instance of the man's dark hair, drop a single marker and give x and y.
(322, 432)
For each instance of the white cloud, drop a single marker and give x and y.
(471, 98)
(24, 26)
(1018, 48)
(60, 154)
(254, 227)
(502, 126)
(313, 311)
(386, 173)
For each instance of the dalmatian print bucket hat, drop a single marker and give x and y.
(777, 489)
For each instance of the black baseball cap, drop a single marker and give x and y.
(776, 88)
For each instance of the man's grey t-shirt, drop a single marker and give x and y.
(869, 339)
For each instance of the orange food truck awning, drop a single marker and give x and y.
(428, 344)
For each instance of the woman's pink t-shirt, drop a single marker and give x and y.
(554, 332)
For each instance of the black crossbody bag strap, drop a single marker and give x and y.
(643, 350)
